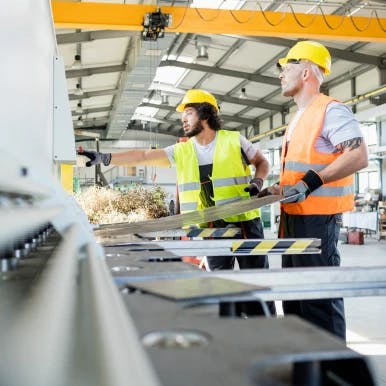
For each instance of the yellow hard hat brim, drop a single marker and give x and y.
(282, 61)
(180, 108)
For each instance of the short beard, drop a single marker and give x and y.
(195, 130)
(291, 92)
(295, 88)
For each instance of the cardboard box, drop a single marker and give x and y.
(355, 238)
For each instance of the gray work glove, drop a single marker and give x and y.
(300, 191)
(95, 158)
(254, 186)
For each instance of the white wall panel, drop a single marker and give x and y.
(264, 126)
(341, 92)
(368, 81)
(28, 44)
(161, 175)
(277, 120)
(253, 113)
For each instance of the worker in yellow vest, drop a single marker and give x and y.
(322, 147)
(212, 169)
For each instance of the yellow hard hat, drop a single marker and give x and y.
(312, 51)
(197, 96)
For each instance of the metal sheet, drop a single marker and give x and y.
(291, 283)
(196, 288)
(215, 233)
(193, 232)
(227, 247)
(235, 346)
(186, 219)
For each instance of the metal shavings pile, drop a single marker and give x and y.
(107, 206)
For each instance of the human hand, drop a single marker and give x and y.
(95, 158)
(254, 186)
(297, 193)
(273, 189)
(300, 191)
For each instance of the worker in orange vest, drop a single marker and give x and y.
(322, 148)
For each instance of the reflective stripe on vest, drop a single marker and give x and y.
(231, 181)
(229, 175)
(229, 200)
(333, 197)
(325, 191)
(189, 186)
(303, 167)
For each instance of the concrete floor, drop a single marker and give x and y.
(365, 317)
(366, 327)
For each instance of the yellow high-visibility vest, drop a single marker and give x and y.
(229, 175)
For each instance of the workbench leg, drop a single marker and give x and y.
(306, 373)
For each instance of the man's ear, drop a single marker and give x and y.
(306, 73)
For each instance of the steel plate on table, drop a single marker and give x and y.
(183, 220)
(195, 288)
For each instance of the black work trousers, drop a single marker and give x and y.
(251, 229)
(325, 313)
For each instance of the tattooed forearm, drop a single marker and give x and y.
(349, 145)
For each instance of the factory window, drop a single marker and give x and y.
(369, 131)
(368, 180)
(276, 157)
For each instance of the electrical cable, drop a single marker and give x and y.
(211, 19)
(298, 20)
(373, 15)
(183, 17)
(326, 21)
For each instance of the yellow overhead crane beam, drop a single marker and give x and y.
(112, 16)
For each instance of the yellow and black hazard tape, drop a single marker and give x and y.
(282, 246)
(214, 232)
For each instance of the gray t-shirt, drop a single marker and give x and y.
(339, 125)
(205, 153)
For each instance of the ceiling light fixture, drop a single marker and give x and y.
(77, 62)
(202, 43)
(157, 97)
(80, 122)
(78, 90)
(165, 99)
(79, 109)
(144, 124)
(243, 94)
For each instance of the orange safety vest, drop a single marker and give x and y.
(334, 197)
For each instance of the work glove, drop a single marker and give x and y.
(274, 189)
(95, 158)
(299, 192)
(254, 186)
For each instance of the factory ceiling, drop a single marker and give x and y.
(124, 88)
